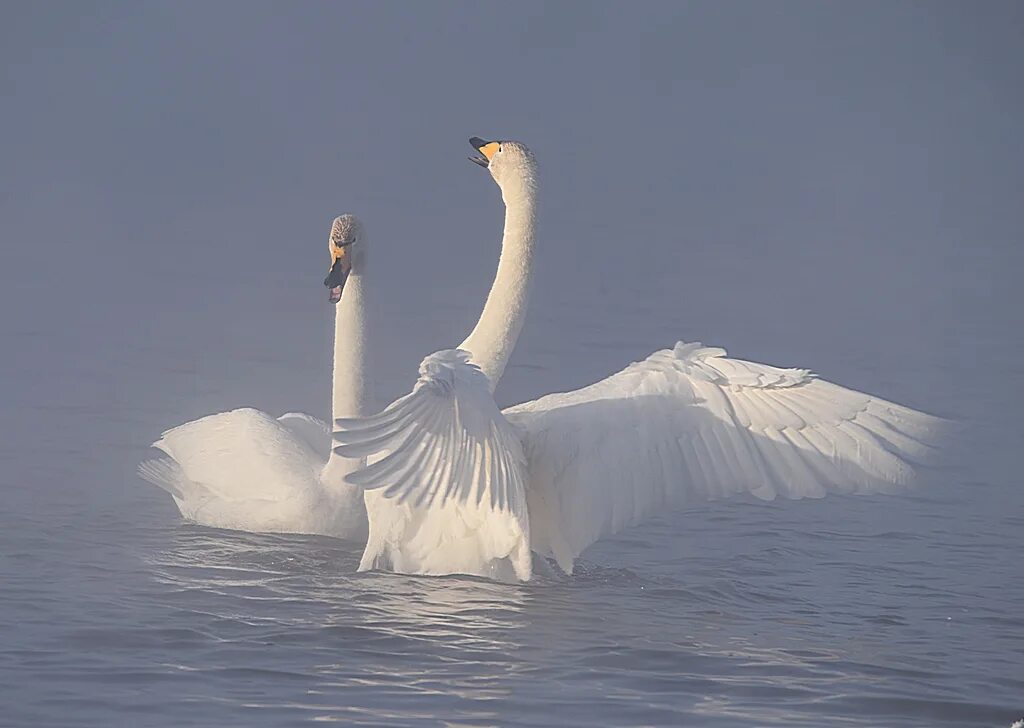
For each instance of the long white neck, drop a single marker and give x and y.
(351, 368)
(494, 337)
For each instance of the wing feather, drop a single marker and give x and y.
(446, 485)
(688, 424)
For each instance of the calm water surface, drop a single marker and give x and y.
(880, 611)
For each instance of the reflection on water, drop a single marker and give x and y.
(284, 626)
(730, 615)
(427, 636)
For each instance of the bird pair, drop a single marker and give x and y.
(443, 482)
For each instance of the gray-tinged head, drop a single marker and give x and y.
(346, 248)
(505, 160)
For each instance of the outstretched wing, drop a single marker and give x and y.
(447, 476)
(689, 424)
(444, 440)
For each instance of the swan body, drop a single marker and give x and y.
(433, 534)
(454, 486)
(247, 470)
(454, 502)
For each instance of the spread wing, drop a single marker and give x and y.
(444, 440)
(446, 483)
(690, 424)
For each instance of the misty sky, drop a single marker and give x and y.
(805, 183)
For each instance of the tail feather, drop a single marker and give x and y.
(164, 473)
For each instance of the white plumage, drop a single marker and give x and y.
(691, 424)
(446, 486)
(447, 454)
(453, 485)
(447, 430)
(246, 470)
(686, 424)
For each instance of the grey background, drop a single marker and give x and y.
(828, 185)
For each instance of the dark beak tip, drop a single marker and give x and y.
(477, 142)
(335, 280)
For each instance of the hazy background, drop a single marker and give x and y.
(816, 181)
(828, 185)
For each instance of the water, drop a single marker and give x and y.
(878, 611)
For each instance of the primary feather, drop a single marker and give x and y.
(691, 424)
(446, 492)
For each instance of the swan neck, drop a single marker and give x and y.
(351, 365)
(494, 337)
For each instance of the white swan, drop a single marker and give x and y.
(458, 536)
(247, 470)
(456, 486)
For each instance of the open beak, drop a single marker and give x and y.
(340, 268)
(487, 151)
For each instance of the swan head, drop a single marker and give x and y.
(345, 247)
(506, 160)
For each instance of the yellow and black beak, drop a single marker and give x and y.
(341, 266)
(487, 150)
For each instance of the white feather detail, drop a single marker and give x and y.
(314, 432)
(686, 424)
(247, 470)
(691, 424)
(446, 493)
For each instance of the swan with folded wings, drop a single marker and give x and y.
(456, 485)
(247, 470)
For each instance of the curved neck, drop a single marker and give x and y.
(494, 337)
(351, 370)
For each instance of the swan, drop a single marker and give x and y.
(247, 470)
(455, 485)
